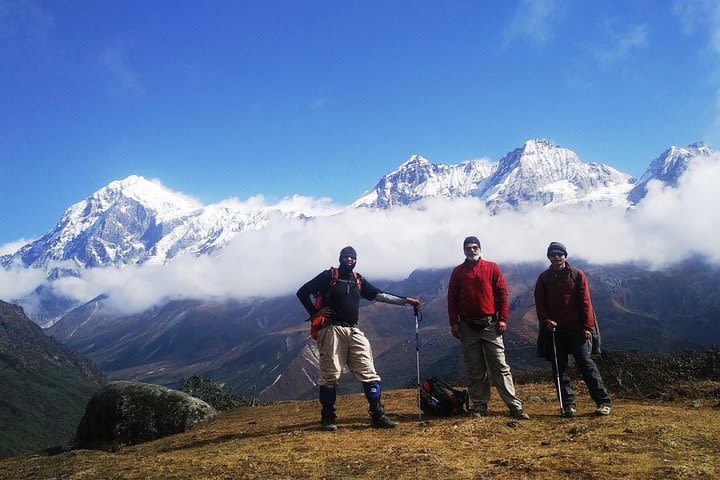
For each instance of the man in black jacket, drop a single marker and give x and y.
(340, 341)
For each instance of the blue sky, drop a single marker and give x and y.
(322, 98)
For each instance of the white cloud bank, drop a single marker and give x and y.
(669, 225)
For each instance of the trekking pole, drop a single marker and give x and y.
(557, 375)
(417, 354)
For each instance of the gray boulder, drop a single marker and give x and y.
(126, 413)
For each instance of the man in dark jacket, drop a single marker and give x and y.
(340, 342)
(565, 309)
(478, 314)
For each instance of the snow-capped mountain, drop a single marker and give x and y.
(668, 167)
(134, 221)
(538, 173)
(419, 178)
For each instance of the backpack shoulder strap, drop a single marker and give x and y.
(333, 276)
(357, 280)
(575, 274)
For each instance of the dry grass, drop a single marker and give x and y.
(640, 440)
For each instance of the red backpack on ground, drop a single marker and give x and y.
(317, 322)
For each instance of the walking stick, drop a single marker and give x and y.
(417, 354)
(557, 375)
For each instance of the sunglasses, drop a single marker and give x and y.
(556, 254)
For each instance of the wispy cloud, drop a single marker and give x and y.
(114, 60)
(702, 17)
(620, 45)
(699, 16)
(17, 282)
(318, 103)
(536, 20)
(391, 244)
(24, 17)
(12, 247)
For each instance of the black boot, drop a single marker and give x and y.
(327, 400)
(378, 419)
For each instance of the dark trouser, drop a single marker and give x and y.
(574, 343)
(327, 400)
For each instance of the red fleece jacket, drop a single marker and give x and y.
(477, 290)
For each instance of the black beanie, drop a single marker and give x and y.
(348, 251)
(556, 246)
(471, 240)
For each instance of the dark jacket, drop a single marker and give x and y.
(343, 297)
(563, 302)
(558, 298)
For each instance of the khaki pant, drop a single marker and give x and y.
(484, 356)
(341, 346)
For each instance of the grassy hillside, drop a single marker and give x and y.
(44, 386)
(642, 439)
(39, 408)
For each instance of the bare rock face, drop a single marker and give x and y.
(126, 413)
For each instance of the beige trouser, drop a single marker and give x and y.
(484, 356)
(340, 346)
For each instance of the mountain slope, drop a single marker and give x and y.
(540, 173)
(537, 173)
(419, 178)
(264, 343)
(134, 221)
(44, 385)
(668, 167)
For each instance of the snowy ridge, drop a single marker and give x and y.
(135, 221)
(540, 173)
(419, 178)
(668, 167)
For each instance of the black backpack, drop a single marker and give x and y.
(438, 399)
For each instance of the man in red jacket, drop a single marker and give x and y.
(478, 313)
(564, 308)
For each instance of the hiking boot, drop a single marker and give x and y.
(519, 414)
(569, 411)
(477, 412)
(382, 421)
(603, 409)
(327, 422)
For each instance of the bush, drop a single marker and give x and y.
(221, 397)
(642, 374)
(650, 376)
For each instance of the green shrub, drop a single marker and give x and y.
(634, 373)
(221, 397)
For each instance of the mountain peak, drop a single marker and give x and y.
(539, 143)
(150, 193)
(418, 160)
(669, 167)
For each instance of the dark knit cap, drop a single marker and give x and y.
(348, 251)
(557, 246)
(469, 240)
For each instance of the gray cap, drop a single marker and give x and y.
(556, 246)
